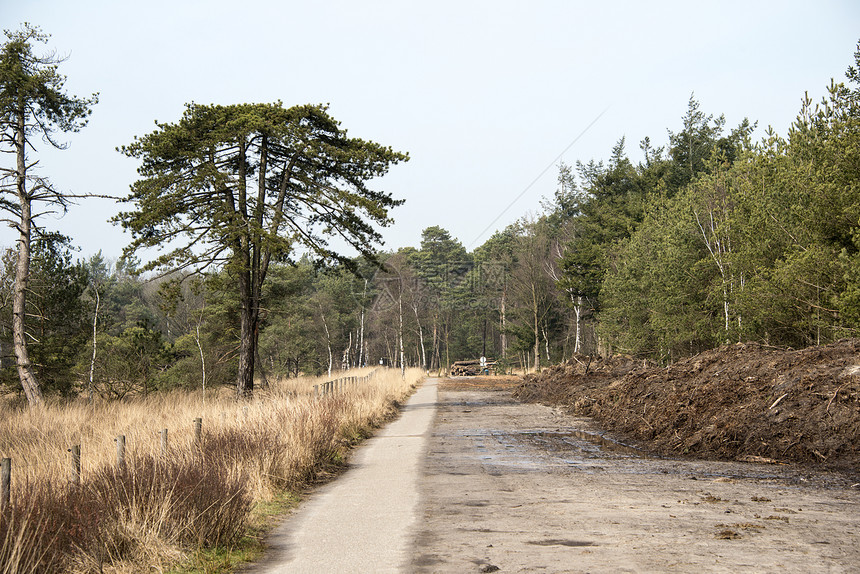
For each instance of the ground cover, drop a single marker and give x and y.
(738, 402)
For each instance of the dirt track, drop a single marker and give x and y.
(515, 487)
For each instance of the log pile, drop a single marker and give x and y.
(472, 368)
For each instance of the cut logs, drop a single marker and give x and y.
(473, 368)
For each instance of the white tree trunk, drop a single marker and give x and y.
(577, 311)
(93, 359)
(400, 333)
(203, 362)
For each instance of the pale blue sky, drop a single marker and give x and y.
(483, 95)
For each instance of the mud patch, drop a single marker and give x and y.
(560, 542)
(522, 486)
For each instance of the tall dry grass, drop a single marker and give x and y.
(155, 508)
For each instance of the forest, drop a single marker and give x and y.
(712, 238)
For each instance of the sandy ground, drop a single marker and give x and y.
(514, 487)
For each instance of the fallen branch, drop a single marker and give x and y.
(776, 402)
(827, 410)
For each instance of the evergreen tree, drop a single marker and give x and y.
(33, 105)
(247, 185)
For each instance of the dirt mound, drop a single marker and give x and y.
(744, 402)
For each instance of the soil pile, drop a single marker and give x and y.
(743, 402)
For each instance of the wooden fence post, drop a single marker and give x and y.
(163, 442)
(198, 432)
(76, 464)
(5, 484)
(120, 450)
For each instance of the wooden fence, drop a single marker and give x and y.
(322, 390)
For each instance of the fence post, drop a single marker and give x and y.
(163, 442)
(120, 450)
(76, 464)
(316, 391)
(5, 484)
(198, 432)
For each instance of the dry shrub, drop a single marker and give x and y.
(28, 540)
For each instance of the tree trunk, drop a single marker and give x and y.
(91, 389)
(327, 339)
(400, 331)
(361, 354)
(347, 353)
(22, 274)
(247, 315)
(202, 361)
(423, 356)
(546, 345)
(248, 339)
(503, 324)
(577, 309)
(447, 350)
(537, 329)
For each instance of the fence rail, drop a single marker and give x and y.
(342, 384)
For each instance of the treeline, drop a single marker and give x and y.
(99, 328)
(719, 239)
(710, 239)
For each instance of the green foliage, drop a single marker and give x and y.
(243, 186)
(195, 180)
(130, 362)
(31, 89)
(291, 341)
(58, 315)
(760, 243)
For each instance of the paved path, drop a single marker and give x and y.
(365, 520)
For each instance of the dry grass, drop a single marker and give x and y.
(149, 512)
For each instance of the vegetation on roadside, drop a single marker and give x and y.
(198, 501)
(711, 238)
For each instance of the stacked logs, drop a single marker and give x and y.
(472, 368)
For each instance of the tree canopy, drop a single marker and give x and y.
(248, 184)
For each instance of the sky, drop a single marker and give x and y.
(487, 97)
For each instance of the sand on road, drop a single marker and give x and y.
(514, 487)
